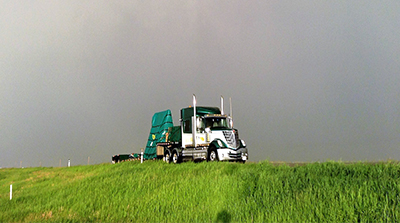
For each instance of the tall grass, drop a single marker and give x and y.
(203, 192)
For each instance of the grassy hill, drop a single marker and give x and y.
(202, 192)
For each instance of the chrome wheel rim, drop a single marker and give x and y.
(167, 158)
(213, 156)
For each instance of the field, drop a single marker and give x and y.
(203, 192)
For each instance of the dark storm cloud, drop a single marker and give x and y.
(308, 80)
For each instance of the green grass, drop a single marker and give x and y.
(203, 192)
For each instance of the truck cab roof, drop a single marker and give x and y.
(187, 113)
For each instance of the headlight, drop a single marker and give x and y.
(220, 144)
(243, 142)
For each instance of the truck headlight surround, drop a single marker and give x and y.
(220, 143)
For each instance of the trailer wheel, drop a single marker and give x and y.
(168, 157)
(175, 158)
(213, 155)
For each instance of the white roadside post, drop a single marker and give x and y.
(69, 162)
(141, 156)
(10, 192)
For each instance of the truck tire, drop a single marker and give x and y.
(175, 158)
(167, 157)
(212, 155)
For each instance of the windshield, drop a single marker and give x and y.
(216, 122)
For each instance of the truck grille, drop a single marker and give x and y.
(233, 155)
(230, 138)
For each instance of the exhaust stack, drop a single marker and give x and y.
(222, 105)
(230, 107)
(230, 111)
(194, 122)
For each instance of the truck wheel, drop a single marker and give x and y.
(175, 157)
(213, 155)
(167, 157)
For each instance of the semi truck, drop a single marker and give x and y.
(204, 133)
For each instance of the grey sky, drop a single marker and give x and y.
(309, 80)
